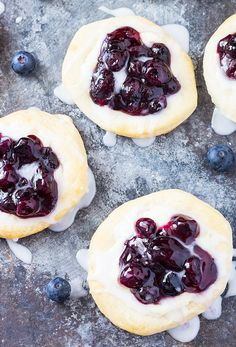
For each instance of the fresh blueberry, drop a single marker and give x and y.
(23, 63)
(221, 158)
(58, 289)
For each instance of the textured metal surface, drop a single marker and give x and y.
(176, 160)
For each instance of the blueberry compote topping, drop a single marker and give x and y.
(227, 52)
(165, 261)
(148, 80)
(21, 196)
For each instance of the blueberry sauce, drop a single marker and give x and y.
(21, 196)
(149, 79)
(165, 262)
(227, 53)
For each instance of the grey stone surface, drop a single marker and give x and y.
(122, 173)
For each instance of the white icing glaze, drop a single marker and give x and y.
(144, 142)
(221, 124)
(120, 77)
(232, 281)
(122, 11)
(109, 139)
(20, 251)
(77, 290)
(62, 94)
(234, 252)
(214, 311)
(186, 332)
(2, 8)
(68, 220)
(28, 170)
(179, 33)
(18, 20)
(82, 258)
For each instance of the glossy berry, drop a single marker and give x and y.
(227, 53)
(134, 276)
(58, 289)
(32, 197)
(157, 262)
(171, 284)
(186, 230)
(221, 158)
(145, 227)
(149, 79)
(23, 63)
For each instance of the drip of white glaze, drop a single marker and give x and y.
(179, 33)
(214, 311)
(77, 289)
(234, 252)
(232, 282)
(144, 142)
(2, 8)
(122, 11)
(144, 59)
(120, 77)
(62, 94)
(82, 258)
(18, 20)
(186, 332)
(21, 252)
(109, 139)
(68, 220)
(221, 124)
(27, 171)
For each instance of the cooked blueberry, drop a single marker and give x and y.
(116, 60)
(147, 294)
(227, 53)
(27, 151)
(156, 72)
(8, 176)
(149, 79)
(157, 263)
(171, 284)
(134, 276)
(221, 158)
(32, 197)
(183, 228)
(145, 227)
(161, 52)
(102, 86)
(28, 203)
(23, 63)
(168, 252)
(58, 289)
(5, 145)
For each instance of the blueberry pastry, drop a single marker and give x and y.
(158, 261)
(130, 77)
(43, 171)
(220, 68)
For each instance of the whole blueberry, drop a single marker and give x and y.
(58, 289)
(221, 158)
(23, 63)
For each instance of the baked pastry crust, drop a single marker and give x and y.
(115, 301)
(71, 176)
(221, 88)
(81, 59)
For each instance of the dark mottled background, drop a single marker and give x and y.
(27, 318)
